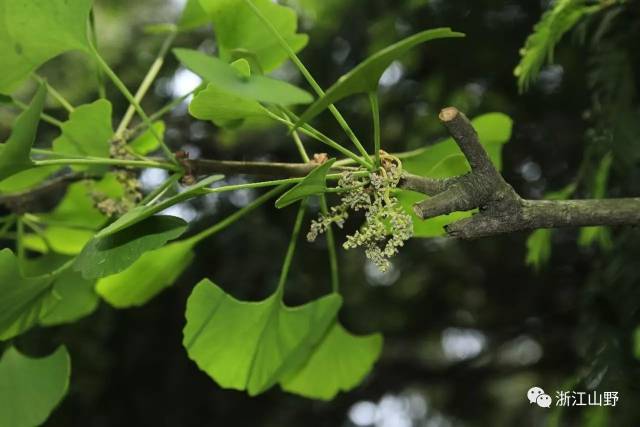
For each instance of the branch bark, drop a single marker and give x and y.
(501, 209)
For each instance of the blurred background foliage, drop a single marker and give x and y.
(469, 326)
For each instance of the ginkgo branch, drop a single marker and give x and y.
(501, 209)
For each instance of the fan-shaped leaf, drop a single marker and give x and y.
(112, 254)
(365, 77)
(339, 363)
(314, 183)
(30, 389)
(250, 345)
(24, 300)
(87, 132)
(147, 142)
(77, 296)
(238, 28)
(225, 77)
(15, 155)
(148, 276)
(34, 31)
(223, 108)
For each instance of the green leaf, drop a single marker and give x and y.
(238, 28)
(34, 31)
(30, 389)
(147, 277)
(250, 345)
(61, 240)
(539, 47)
(539, 248)
(114, 253)
(88, 132)
(24, 300)
(77, 208)
(193, 16)
(314, 183)
(78, 298)
(364, 78)
(15, 156)
(26, 179)
(444, 160)
(339, 363)
(227, 78)
(140, 213)
(223, 108)
(147, 143)
(636, 343)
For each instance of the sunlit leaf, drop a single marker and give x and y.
(339, 363)
(365, 77)
(78, 207)
(88, 132)
(24, 300)
(238, 28)
(114, 253)
(249, 345)
(15, 155)
(61, 240)
(34, 31)
(223, 108)
(147, 277)
(193, 16)
(31, 388)
(140, 213)
(225, 77)
(146, 142)
(444, 159)
(313, 184)
(26, 179)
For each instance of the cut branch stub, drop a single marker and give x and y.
(501, 209)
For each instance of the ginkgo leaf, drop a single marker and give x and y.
(25, 300)
(148, 276)
(312, 184)
(88, 132)
(61, 240)
(226, 77)
(146, 142)
(77, 296)
(105, 256)
(140, 213)
(364, 78)
(223, 108)
(193, 16)
(32, 32)
(15, 156)
(339, 363)
(26, 179)
(77, 209)
(444, 159)
(238, 28)
(250, 345)
(31, 388)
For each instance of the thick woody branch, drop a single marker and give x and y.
(501, 209)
